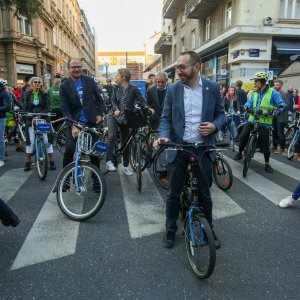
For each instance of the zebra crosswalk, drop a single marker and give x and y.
(53, 236)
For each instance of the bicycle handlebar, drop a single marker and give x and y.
(29, 114)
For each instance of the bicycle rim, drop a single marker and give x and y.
(160, 168)
(291, 150)
(222, 174)
(61, 140)
(202, 255)
(83, 203)
(41, 159)
(138, 167)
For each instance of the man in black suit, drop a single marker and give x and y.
(80, 100)
(155, 98)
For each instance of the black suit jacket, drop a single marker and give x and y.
(153, 102)
(92, 105)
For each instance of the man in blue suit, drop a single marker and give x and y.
(193, 112)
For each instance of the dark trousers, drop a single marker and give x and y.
(263, 138)
(71, 147)
(113, 127)
(177, 175)
(278, 134)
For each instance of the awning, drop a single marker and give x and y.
(290, 47)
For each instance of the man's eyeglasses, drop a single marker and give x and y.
(36, 82)
(183, 67)
(76, 67)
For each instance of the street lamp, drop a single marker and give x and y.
(106, 65)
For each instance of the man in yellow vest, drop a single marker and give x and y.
(267, 98)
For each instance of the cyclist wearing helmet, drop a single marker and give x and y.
(4, 107)
(267, 98)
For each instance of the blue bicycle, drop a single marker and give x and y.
(81, 186)
(199, 239)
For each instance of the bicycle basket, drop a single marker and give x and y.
(136, 118)
(84, 142)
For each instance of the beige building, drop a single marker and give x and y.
(235, 38)
(44, 46)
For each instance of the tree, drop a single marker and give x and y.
(30, 9)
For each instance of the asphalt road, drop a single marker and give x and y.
(119, 255)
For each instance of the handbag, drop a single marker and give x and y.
(136, 118)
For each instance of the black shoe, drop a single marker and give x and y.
(217, 242)
(27, 166)
(268, 168)
(52, 165)
(238, 156)
(169, 242)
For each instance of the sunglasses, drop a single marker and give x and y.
(36, 82)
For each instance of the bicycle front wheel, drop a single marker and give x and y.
(222, 174)
(291, 149)
(248, 155)
(81, 202)
(200, 246)
(160, 168)
(41, 158)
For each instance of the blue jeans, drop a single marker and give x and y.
(296, 191)
(2, 142)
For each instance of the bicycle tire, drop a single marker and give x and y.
(138, 166)
(291, 149)
(41, 158)
(144, 153)
(205, 246)
(60, 139)
(160, 168)
(288, 135)
(248, 155)
(222, 173)
(233, 135)
(75, 205)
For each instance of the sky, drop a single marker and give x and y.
(123, 25)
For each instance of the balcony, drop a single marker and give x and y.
(200, 9)
(170, 8)
(162, 45)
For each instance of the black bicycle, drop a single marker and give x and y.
(199, 239)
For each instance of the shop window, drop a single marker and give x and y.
(25, 26)
(228, 14)
(290, 9)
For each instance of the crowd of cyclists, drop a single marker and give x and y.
(83, 99)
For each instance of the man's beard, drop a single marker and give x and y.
(188, 78)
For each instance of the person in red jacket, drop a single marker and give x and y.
(17, 92)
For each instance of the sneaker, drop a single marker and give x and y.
(268, 168)
(52, 165)
(27, 166)
(169, 241)
(127, 170)
(2, 163)
(110, 166)
(238, 156)
(286, 202)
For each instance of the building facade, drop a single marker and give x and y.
(235, 38)
(44, 46)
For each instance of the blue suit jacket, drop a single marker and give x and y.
(172, 124)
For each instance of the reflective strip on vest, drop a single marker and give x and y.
(265, 105)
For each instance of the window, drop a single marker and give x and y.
(54, 36)
(193, 39)
(175, 52)
(290, 9)
(228, 14)
(25, 26)
(46, 38)
(182, 44)
(207, 28)
(169, 29)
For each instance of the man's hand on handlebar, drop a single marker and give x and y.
(75, 132)
(160, 140)
(98, 119)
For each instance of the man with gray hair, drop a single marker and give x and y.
(155, 98)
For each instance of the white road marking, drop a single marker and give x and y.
(11, 181)
(52, 236)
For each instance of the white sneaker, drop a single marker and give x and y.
(110, 166)
(286, 202)
(127, 171)
(2, 163)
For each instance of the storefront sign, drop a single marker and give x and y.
(25, 69)
(253, 52)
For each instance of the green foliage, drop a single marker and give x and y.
(27, 8)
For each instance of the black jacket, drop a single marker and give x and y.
(42, 107)
(134, 97)
(93, 104)
(5, 102)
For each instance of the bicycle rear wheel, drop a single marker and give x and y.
(138, 166)
(83, 203)
(248, 155)
(41, 158)
(201, 254)
(222, 173)
(144, 152)
(160, 168)
(60, 139)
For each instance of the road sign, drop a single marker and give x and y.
(270, 75)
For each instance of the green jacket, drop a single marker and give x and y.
(53, 94)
